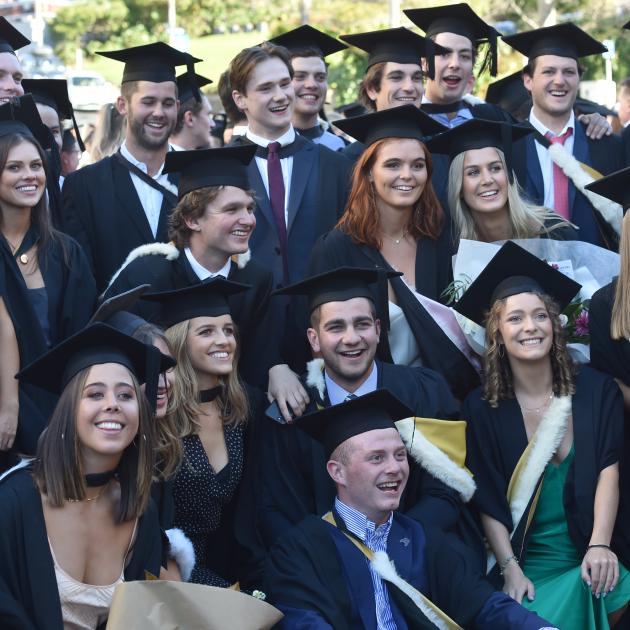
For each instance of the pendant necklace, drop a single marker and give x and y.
(538, 410)
(398, 240)
(23, 257)
(88, 499)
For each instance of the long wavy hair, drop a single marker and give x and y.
(620, 321)
(361, 219)
(58, 469)
(497, 374)
(526, 219)
(168, 447)
(184, 405)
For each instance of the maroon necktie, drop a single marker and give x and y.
(560, 180)
(276, 197)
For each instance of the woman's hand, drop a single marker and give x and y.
(285, 387)
(516, 584)
(8, 427)
(600, 570)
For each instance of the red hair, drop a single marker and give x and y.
(360, 220)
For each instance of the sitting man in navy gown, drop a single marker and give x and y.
(365, 566)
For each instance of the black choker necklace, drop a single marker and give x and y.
(95, 480)
(208, 395)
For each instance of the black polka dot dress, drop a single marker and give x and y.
(202, 496)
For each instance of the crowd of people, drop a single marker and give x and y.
(233, 359)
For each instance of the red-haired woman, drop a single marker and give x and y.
(394, 220)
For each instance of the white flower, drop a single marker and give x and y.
(564, 320)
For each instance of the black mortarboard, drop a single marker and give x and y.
(20, 115)
(226, 166)
(189, 86)
(406, 121)
(509, 93)
(461, 20)
(398, 45)
(477, 133)
(10, 38)
(152, 62)
(351, 110)
(562, 40)
(615, 187)
(54, 93)
(334, 425)
(206, 299)
(626, 26)
(307, 37)
(94, 345)
(113, 310)
(514, 270)
(336, 285)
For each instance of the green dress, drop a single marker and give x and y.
(553, 564)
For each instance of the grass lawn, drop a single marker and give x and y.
(215, 50)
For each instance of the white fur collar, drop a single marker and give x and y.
(472, 100)
(168, 184)
(182, 551)
(434, 460)
(315, 376)
(611, 212)
(243, 259)
(387, 571)
(546, 441)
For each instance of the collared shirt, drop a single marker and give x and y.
(239, 130)
(285, 163)
(546, 164)
(337, 394)
(201, 272)
(462, 115)
(150, 198)
(375, 538)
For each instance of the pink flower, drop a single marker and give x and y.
(581, 324)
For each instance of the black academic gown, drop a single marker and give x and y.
(295, 482)
(71, 300)
(604, 155)
(101, 209)
(250, 309)
(433, 273)
(29, 599)
(321, 581)
(496, 439)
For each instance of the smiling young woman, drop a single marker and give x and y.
(544, 444)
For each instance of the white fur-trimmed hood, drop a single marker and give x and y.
(182, 551)
(434, 460)
(315, 376)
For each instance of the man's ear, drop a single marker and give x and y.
(313, 339)
(192, 223)
(240, 100)
(189, 119)
(377, 325)
(121, 106)
(527, 82)
(336, 471)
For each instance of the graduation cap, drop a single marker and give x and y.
(615, 187)
(226, 166)
(461, 20)
(189, 84)
(350, 110)
(562, 40)
(406, 121)
(114, 310)
(514, 270)
(152, 62)
(398, 45)
(96, 344)
(336, 285)
(306, 37)
(20, 115)
(205, 299)
(334, 425)
(54, 93)
(10, 38)
(477, 133)
(509, 93)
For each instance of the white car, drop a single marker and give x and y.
(89, 90)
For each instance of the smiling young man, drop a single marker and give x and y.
(308, 49)
(11, 72)
(124, 200)
(338, 571)
(550, 167)
(344, 332)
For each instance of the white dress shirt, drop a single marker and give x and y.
(546, 164)
(461, 116)
(285, 163)
(337, 394)
(150, 198)
(201, 272)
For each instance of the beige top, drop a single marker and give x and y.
(402, 344)
(85, 606)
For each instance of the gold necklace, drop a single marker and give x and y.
(539, 409)
(23, 257)
(397, 240)
(88, 499)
